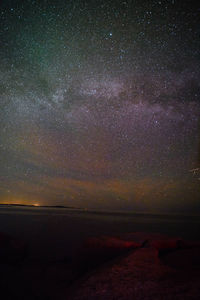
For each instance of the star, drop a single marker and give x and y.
(99, 104)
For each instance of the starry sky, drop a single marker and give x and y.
(100, 104)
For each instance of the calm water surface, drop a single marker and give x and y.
(59, 232)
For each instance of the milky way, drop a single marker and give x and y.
(100, 104)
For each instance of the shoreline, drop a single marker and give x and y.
(60, 208)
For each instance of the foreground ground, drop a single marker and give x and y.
(128, 266)
(159, 268)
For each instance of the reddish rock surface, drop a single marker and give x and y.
(162, 268)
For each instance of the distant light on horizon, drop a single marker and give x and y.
(100, 104)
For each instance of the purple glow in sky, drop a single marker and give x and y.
(100, 105)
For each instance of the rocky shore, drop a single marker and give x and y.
(160, 268)
(128, 266)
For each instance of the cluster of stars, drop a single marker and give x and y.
(99, 101)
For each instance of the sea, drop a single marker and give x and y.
(59, 232)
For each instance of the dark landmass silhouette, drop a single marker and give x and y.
(37, 206)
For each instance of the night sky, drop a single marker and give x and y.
(100, 104)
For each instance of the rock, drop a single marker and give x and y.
(113, 243)
(145, 274)
(185, 259)
(96, 251)
(11, 250)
